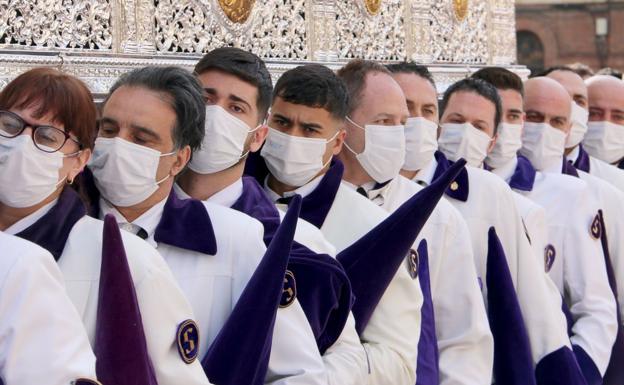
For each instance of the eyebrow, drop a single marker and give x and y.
(146, 131)
(109, 120)
(213, 91)
(282, 117)
(514, 111)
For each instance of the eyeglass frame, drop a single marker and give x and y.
(34, 128)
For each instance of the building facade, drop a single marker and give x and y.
(563, 32)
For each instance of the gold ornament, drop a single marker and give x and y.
(373, 6)
(237, 11)
(461, 9)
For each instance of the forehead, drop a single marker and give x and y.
(301, 113)
(138, 105)
(472, 106)
(227, 84)
(606, 95)
(416, 88)
(548, 99)
(511, 99)
(572, 82)
(382, 94)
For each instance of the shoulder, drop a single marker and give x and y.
(563, 183)
(22, 255)
(358, 207)
(227, 221)
(481, 179)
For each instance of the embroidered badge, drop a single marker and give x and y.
(85, 381)
(549, 257)
(289, 292)
(596, 227)
(454, 186)
(188, 341)
(412, 263)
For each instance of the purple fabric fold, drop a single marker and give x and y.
(513, 363)
(523, 177)
(120, 345)
(461, 188)
(582, 162)
(240, 352)
(372, 261)
(559, 368)
(324, 288)
(53, 229)
(587, 365)
(427, 366)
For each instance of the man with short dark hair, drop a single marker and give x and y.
(152, 121)
(484, 201)
(235, 84)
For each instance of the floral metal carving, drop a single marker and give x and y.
(237, 11)
(83, 24)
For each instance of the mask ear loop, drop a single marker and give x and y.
(250, 132)
(358, 126)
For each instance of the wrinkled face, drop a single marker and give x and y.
(574, 85)
(142, 117)
(513, 112)
(381, 103)
(470, 107)
(545, 101)
(420, 95)
(307, 122)
(606, 101)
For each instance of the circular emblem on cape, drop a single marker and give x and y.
(188, 341)
(596, 227)
(372, 6)
(549, 257)
(460, 8)
(289, 292)
(85, 381)
(412, 262)
(237, 11)
(454, 186)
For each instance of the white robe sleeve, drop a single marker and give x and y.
(42, 339)
(392, 334)
(345, 360)
(586, 287)
(163, 308)
(465, 342)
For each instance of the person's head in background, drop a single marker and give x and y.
(583, 70)
(470, 113)
(511, 91)
(610, 72)
(421, 128)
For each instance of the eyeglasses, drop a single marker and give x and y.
(46, 138)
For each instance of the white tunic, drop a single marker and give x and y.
(578, 268)
(491, 203)
(42, 340)
(463, 333)
(213, 283)
(392, 334)
(162, 304)
(602, 170)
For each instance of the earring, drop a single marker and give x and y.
(70, 181)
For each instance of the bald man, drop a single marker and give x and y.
(605, 138)
(578, 267)
(575, 151)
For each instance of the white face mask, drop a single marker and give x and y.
(542, 144)
(605, 141)
(384, 151)
(508, 142)
(223, 143)
(579, 126)
(27, 174)
(420, 143)
(464, 141)
(294, 160)
(125, 172)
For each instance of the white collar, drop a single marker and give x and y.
(507, 170)
(30, 220)
(427, 172)
(555, 167)
(226, 197)
(304, 190)
(573, 156)
(148, 221)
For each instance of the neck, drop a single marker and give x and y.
(203, 186)
(569, 150)
(279, 187)
(409, 174)
(354, 173)
(11, 215)
(131, 213)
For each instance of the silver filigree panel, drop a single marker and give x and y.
(377, 37)
(57, 24)
(275, 28)
(455, 41)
